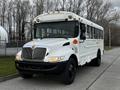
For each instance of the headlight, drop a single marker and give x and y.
(55, 59)
(18, 58)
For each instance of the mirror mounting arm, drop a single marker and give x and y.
(82, 41)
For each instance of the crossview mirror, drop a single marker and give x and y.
(83, 37)
(84, 30)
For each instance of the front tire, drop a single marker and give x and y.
(70, 71)
(26, 76)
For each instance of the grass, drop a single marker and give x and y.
(7, 66)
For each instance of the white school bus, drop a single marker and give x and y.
(62, 42)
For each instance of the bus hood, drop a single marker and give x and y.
(47, 43)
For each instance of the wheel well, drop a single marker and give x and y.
(99, 50)
(75, 58)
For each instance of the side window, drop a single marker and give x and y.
(88, 32)
(101, 34)
(95, 33)
(92, 33)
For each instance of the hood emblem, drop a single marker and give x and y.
(33, 45)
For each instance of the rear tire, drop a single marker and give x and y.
(97, 60)
(26, 76)
(70, 71)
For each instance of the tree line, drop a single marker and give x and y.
(16, 15)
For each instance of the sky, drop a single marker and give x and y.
(116, 3)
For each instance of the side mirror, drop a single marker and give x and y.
(84, 30)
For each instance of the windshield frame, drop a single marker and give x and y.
(75, 33)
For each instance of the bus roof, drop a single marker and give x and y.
(62, 16)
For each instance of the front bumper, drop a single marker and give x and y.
(38, 67)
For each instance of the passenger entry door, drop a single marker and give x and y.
(83, 49)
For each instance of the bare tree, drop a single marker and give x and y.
(3, 11)
(9, 18)
(72, 6)
(14, 13)
(91, 8)
(103, 11)
(48, 5)
(32, 15)
(18, 18)
(69, 5)
(77, 6)
(21, 12)
(62, 4)
(56, 4)
(39, 6)
(24, 13)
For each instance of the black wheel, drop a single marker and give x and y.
(26, 76)
(70, 71)
(97, 60)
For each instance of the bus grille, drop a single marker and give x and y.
(35, 54)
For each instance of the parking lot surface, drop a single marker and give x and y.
(105, 77)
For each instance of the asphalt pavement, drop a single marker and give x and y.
(105, 77)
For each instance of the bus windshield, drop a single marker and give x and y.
(66, 29)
